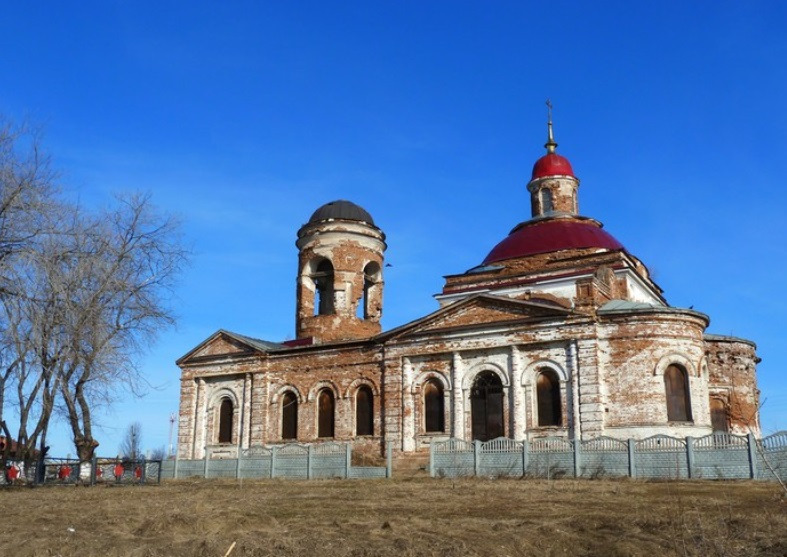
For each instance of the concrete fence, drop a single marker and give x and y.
(324, 460)
(717, 456)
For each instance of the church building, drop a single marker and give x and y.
(558, 331)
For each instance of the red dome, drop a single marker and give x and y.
(551, 235)
(552, 164)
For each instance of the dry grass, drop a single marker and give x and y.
(397, 517)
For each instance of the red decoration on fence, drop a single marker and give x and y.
(138, 472)
(13, 473)
(63, 472)
(118, 470)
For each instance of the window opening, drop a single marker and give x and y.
(323, 288)
(546, 201)
(434, 416)
(326, 411)
(548, 395)
(289, 416)
(486, 402)
(225, 421)
(364, 411)
(676, 383)
(719, 418)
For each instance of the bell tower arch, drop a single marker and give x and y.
(340, 284)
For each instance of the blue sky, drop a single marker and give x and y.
(244, 117)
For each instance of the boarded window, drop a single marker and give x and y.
(486, 401)
(546, 201)
(325, 420)
(225, 421)
(289, 416)
(364, 411)
(718, 415)
(323, 286)
(434, 419)
(548, 395)
(676, 383)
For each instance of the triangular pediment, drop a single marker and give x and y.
(220, 344)
(480, 310)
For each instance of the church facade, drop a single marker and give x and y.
(559, 331)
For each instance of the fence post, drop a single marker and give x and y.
(576, 457)
(752, 444)
(205, 468)
(689, 456)
(632, 462)
(274, 450)
(144, 472)
(389, 459)
(348, 460)
(160, 466)
(237, 463)
(309, 455)
(477, 457)
(93, 467)
(525, 450)
(175, 471)
(431, 459)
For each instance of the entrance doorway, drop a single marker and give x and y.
(486, 400)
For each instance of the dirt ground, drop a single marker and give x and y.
(396, 517)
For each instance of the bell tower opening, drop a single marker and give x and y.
(323, 288)
(340, 283)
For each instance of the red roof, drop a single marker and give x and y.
(552, 164)
(551, 235)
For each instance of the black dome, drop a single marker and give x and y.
(341, 209)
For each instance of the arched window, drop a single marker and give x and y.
(371, 281)
(225, 421)
(434, 419)
(718, 415)
(323, 288)
(486, 406)
(548, 395)
(289, 416)
(325, 420)
(676, 383)
(546, 201)
(364, 411)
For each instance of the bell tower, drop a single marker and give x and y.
(553, 186)
(340, 281)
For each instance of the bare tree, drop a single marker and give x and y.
(82, 294)
(131, 446)
(27, 188)
(129, 259)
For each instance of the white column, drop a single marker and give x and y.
(517, 395)
(573, 384)
(201, 418)
(246, 422)
(408, 410)
(458, 407)
(195, 417)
